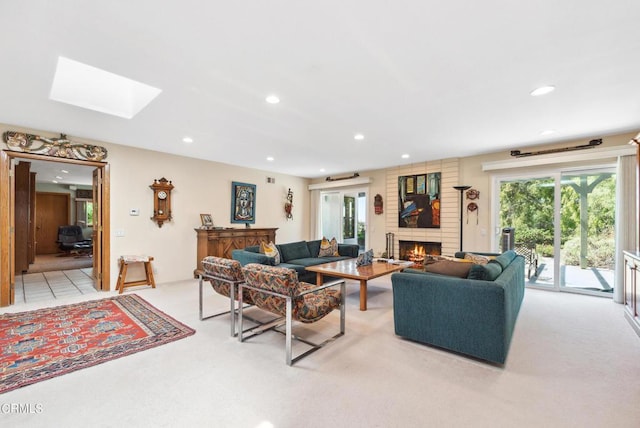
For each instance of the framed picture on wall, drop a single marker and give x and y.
(243, 203)
(421, 184)
(410, 188)
(419, 201)
(207, 221)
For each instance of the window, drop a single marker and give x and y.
(84, 212)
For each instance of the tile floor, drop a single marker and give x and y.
(48, 286)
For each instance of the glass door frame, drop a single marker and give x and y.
(556, 174)
(341, 192)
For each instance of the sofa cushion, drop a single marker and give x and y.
(487, 272)
(270, 250)
(449, 268)
(308, 261)
(294, 250)
(314, 247)
(477, 258)
(298, 268)
(505, 258)
(328, 248)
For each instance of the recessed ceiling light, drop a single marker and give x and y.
(543, 90)
(322, 170)
(58, 177)
(548, 132)
(270, 158)
(89, 87)
(64, 171)
(54, 181)
(187, 140)
(272, 99)
(358, 137)
(405, 156)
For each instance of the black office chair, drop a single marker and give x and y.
(71, 240)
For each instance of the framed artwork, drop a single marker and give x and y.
(419, 201)
(243, 203)
(409, 183)
(207, 221)
(421, 184)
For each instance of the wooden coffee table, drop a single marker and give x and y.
(348, 269)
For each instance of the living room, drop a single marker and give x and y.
(564, 368)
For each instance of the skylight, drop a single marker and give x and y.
(89, 87)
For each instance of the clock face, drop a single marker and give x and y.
(162, 194)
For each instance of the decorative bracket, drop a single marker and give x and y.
(54, 147)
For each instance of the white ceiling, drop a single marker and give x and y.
(431, 79)
(51, 172)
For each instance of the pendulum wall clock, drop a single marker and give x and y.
(161, 200)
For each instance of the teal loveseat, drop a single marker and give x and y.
(296, 256)
(475, 317)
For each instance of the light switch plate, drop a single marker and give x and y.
(134, 211)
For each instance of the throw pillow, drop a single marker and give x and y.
(365, 258)
(328, 248)
(477, 258)
(449, 268)
(453, 259)
(270, 250)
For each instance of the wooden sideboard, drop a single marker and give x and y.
(220, 242)
(632, 288)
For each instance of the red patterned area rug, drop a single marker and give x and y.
(46, 343)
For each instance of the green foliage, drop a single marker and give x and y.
(600, 251)
(528, 206)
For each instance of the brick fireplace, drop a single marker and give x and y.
(416, 251)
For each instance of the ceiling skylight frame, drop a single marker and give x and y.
(92, 88)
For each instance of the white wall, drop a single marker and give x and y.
(205, 187)
(200, 187)
(477, 237)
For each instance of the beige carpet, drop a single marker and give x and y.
(51, 262)
(574, 362)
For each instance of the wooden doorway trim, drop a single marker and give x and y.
(7, 223)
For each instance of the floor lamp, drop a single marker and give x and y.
(461, 189)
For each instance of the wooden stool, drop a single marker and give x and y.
(122, 276)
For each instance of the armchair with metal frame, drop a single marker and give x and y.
(225, 276)
(277, 290)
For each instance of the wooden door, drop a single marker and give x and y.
(97, 228)
(8, 220)
(23, 187)
(32, 219)
(52, 210)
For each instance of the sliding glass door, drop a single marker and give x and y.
(587, 230)
(527, 206)
(343, 215)
(563, 224)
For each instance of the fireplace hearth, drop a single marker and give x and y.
(418, 251)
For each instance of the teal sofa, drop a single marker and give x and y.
(296, 256)
(475, 317)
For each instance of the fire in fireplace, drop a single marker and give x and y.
(417, 251)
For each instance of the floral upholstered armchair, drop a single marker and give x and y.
(224, 275)
(278, 291)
